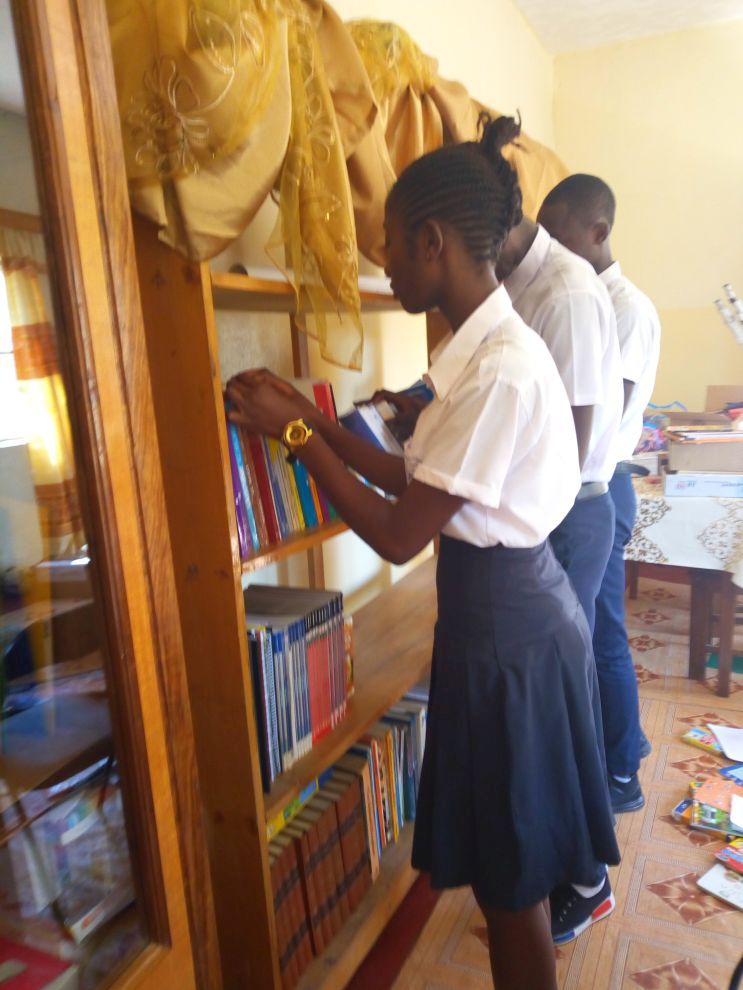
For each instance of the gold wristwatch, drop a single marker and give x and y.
(296, 434)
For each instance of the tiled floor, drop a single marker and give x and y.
(665, 934)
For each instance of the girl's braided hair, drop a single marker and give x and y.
(470, 186)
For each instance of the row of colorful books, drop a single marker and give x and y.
(302, 669)
(275, 499)
(715, 805)
(325, 858)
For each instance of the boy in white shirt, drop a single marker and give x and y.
(580, 212)
(559, 296)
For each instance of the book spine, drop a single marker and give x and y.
(337, 861)
(243, 532)
(258, 457)
(261, 710)
(325, 402)
(302, 480)
(300, 939)
(234, 434)
(310, 892)
(287, 966)
(274, 474)
(254, 491)
(319, 850)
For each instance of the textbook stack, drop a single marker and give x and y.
(713, 806)
(275, 499)
(327, 855)
(297, 642)
(705, 459)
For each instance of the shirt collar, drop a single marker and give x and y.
(611, 274)
(456, 350)
(529, 266)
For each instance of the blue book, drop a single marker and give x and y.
(302, 479)
(237, 452)
(277, 492)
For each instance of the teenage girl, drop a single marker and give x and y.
(513, 797)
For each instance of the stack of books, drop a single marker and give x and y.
(705, 459)
(326, 854)
(297, 643)
(715, 805)
(275, 499)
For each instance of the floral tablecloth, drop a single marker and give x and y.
(686, 531)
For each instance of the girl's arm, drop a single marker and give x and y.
(396, 531)
(380, 468)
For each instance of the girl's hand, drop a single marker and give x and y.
(262, 376)
(260, 405)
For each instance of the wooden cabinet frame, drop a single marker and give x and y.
(64, 52)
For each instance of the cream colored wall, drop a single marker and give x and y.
(661, 119)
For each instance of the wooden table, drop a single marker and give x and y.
(704, 535)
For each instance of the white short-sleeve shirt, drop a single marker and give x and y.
(638, 329)
(560, 296)
(498, 432)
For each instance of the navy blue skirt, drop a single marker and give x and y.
(513, 796)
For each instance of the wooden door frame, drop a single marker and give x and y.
(64, 51)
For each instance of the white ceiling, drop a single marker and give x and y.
(570, 25)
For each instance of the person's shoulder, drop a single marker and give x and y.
(571, 273)
(631, 300)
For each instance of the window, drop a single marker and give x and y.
(11, 415)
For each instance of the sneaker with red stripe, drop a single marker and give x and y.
(572, 913)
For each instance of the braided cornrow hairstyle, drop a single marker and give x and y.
(470, 186)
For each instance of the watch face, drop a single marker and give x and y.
(296, 433)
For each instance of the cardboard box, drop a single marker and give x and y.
(703, 483)
(691, 418)
(718, 396)
(707, 456)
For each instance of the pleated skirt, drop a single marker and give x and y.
(513, 796)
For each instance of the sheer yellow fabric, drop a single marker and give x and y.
(223, 101)
(204, 103)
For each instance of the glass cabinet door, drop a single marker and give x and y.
(92, 886)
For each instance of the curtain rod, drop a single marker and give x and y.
(20, 221)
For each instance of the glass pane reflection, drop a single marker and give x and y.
(69, 916)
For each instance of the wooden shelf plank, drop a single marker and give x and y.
(333, 969)
(393, 636)
(232, 290)
(304, 540)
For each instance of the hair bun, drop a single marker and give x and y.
(498, 132)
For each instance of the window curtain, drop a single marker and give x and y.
(225, 102)
(46, 422)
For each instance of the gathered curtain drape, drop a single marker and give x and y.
(46, 425)
(225, 102)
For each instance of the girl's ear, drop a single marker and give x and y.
(431, 239)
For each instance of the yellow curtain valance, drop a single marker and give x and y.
(224, 102)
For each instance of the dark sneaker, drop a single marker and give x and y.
(625, 797)
(645, 748)
(572, 914)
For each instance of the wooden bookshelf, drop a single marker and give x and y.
(233, 290)
(333, 969)
(306, 539)
(393, 636)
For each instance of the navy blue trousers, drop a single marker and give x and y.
(582, 543)
(617, 682)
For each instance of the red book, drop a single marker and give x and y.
(325, 402)
(257, 456)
